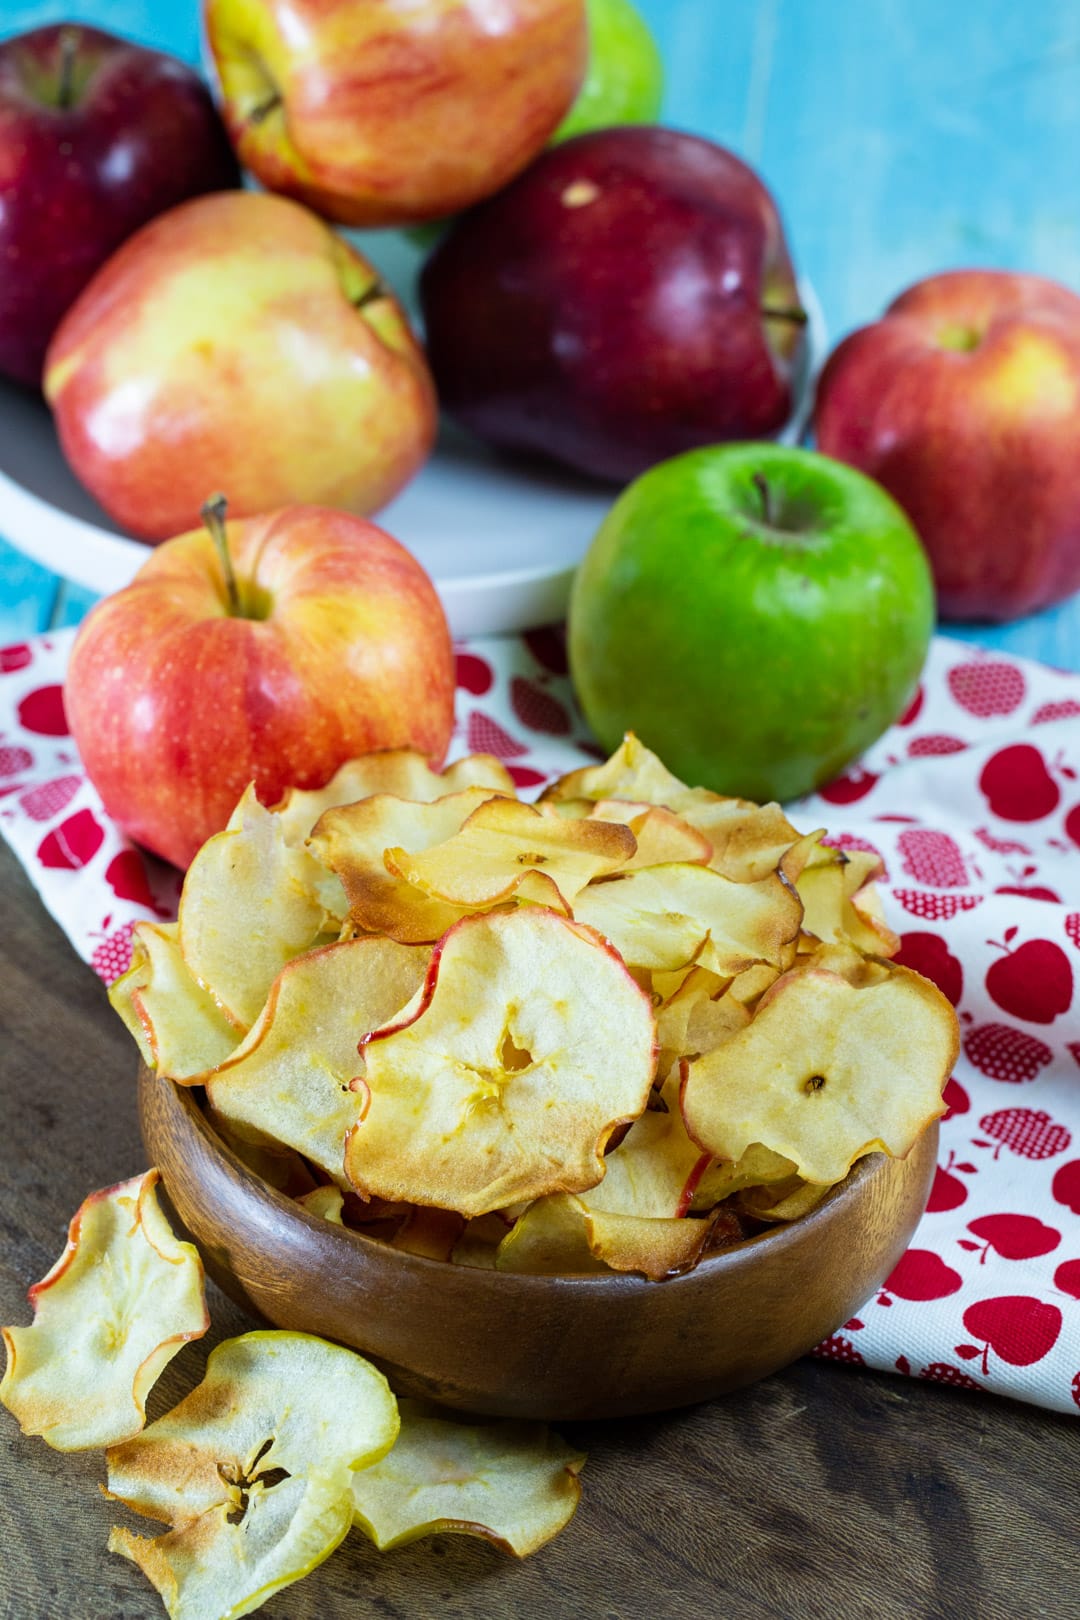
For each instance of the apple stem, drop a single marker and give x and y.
(761, 484)
(213, 515)
(69, 47)
(795, 314)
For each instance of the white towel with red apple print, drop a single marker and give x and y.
(972, 801)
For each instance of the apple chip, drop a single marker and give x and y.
(786, 1200)
(352, 840)
(633, 772)
(400, 771)
(250, 904)
(515, 1484)
(842, 904)
(509, 851)
(506, 1075)
(662, 837)
(433, 1233)
(180, 1029)
(561, 1236)
(253, 1470)
(717, 1179)
(826, 1072)
(748, 840)
(550, 1239)
(701, 1015)
(325, 1202)
(668, 916)
(119, 1303)
(289, 1080)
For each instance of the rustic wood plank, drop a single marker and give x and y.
(821, 1492)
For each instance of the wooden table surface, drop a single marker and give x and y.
(823, 1492)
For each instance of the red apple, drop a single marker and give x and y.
(97, 135)
(237, 343)
(386, 112)
(963, 401)
(627, 298)
(178, 697)
(1033, 982)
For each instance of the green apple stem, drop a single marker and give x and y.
(213, 515)
(793, 313)
(69, 48)
(761, 484)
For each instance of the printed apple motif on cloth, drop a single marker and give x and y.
(972, 802)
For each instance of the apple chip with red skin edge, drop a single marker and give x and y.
(515, 1484)
(122, 1299)
(289, 1081)
(253, 1471)
(352, 841)
(506, 1075)
(178, 1026)
(826, 1072)
(509, 851)
(714, 1180)
(398, 771)
(250, 904)
(667, 916)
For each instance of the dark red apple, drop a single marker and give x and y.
(97, 135)
(628, 297)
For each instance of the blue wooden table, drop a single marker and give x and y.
(900, 137)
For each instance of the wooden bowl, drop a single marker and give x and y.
(537, 1347)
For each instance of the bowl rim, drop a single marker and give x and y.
(185, 1106)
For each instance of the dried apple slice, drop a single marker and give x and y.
(748, 840)
(289, 1080)
(352, 839)
(668, 916)
(786, 1200)
(250, 904)
(826, 1072)
(253, 1470)
(400, 771)
(550, 1239)
(508, 850)
(714, 1180)
(561, 1236)
(506, 1075)
(633, 772)
(122, 1299)
(515, 1484)
(325, 1202)
(701, 1015)
(180, 1029)
(662, 837)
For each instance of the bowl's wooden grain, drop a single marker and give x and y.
(546, 1347)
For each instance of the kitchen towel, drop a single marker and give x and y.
(972, 801)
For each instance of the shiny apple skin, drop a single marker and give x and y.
(390, 112)
(222, 348)
(175, 705)
(979, 444)
(605, 310)
(141, 134)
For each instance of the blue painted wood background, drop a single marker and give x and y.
(900, 137)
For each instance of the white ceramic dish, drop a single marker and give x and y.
(500, 537)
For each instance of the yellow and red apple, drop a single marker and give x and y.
(963, 402)
(237, 343)
(181, 691)
(389, 112)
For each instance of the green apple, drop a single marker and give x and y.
(757, 615)
(624, 83)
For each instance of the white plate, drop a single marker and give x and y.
(500, 537)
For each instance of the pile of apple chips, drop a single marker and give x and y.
(616, 1029)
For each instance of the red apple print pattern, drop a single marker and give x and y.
(940, 1372)
(955, 1098)
(548, 647)
(14, 760)
(931, 746)
(1072, 824)
(987, 687)
(75, 842)
(929, 955)
(1072, 927)
(920, 1274)
(474, 674)
(1016, 1327)
(913, 710)
(523, 776)
(1003, 1052)
(126, 877)
(1064, 709)
(46, 800)
(112, 956)
(486, 736)
(1028, 1132)
(43, 712)
(1067, 1278)
(1000, 846)
(936, 907)
(537, 709)
(1033, 982)
(1066, 1185)
(933, 858)
(837, 1348)
(1013, 1237)
(1017, 784)
(948, 1191)
(850, 788)
(15, 657)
